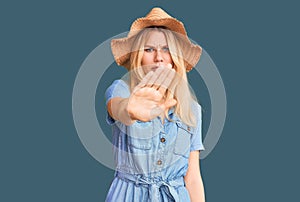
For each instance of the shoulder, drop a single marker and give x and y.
(119, 83)
(196, 109)
(119, 88)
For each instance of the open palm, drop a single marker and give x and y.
(147, 99)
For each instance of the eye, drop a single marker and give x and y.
(149, 50)
(165, 49)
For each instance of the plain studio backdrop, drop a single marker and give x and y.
(254, 45)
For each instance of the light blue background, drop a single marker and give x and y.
(255, 45)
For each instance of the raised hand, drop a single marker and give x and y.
(147, 100)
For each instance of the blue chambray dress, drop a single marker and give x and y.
(151, 158)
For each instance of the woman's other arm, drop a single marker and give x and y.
(193, 179)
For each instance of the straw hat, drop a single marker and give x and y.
(121, 48)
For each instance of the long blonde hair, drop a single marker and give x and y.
(181, 92)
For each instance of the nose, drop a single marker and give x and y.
(158, 56)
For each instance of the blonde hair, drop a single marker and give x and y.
(181, 92)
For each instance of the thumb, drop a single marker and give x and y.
(170, 103)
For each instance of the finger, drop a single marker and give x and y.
(170, 66)
(174, 83)
(170, 103)
(161, 76)
(144, 81)
(153, 79)
(166, 80)
(157, 77)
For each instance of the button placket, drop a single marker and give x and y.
(162, 138)
(161, 150)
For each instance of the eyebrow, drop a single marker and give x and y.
(151, 46)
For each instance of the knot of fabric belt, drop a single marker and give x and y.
(155, 186)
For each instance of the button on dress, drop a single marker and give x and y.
(151, 158)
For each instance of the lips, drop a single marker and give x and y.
(154, 68)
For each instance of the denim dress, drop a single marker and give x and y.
(151, 158)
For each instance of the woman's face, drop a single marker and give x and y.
(156, 52)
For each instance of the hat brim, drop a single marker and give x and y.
(121, 48)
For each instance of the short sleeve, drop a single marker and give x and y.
(196, 138)
(117, 89)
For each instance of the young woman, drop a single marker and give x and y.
(155, 119)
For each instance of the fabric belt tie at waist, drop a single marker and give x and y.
(154, 186)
